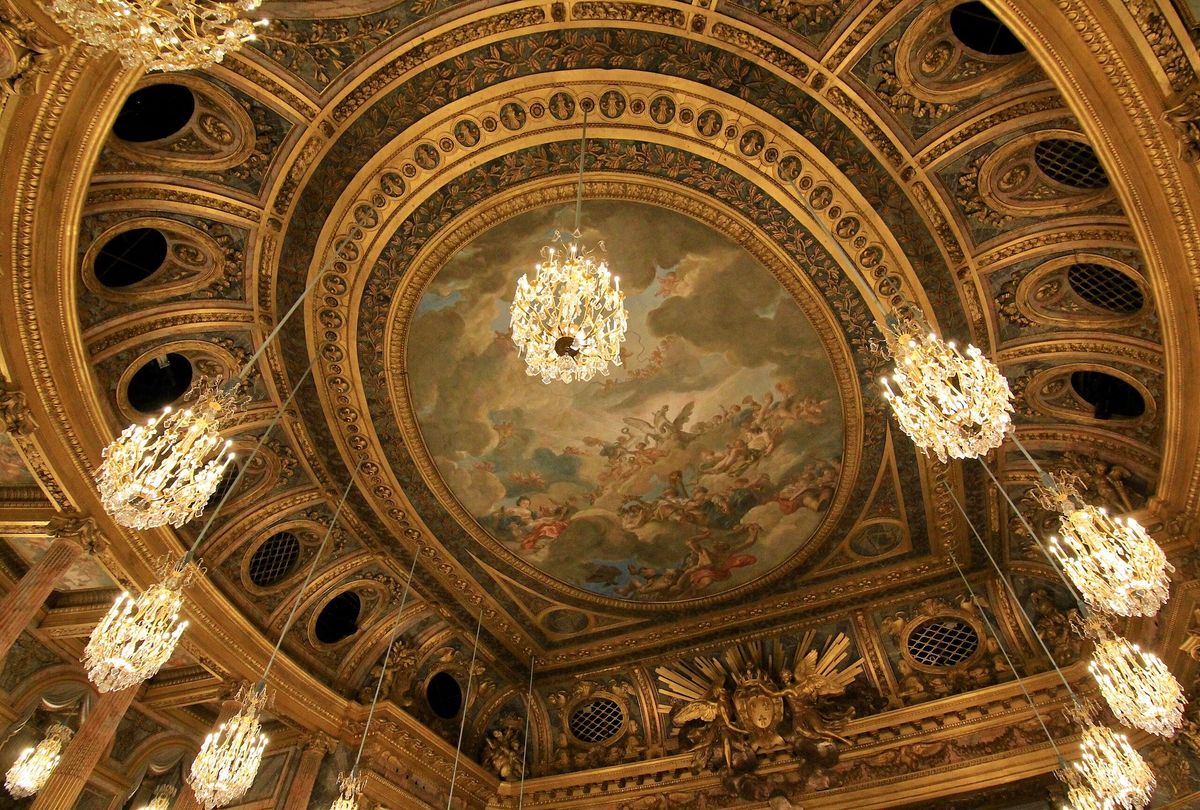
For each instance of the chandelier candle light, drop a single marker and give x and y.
(229, 759)
(951, 404)
(137, 636)
(162, 798)
(569, 322)
(1137, 685)
(160, 34)
(1115, 772)
(34, 766)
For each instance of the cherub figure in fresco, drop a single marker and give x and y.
(546, 527)
(737, 458)
(649, 582)
(812, 489)
(511, 521)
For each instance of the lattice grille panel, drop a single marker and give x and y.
(1106, 288)
(597, 720)
(943, 642)
(1071, 163)
(273, 560)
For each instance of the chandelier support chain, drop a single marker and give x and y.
(312, 569)
(1054, 563)
(1012, 667)
(237, 479)
(1012, 592)
(466, 705)
(525, 739)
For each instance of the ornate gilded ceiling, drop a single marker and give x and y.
(770, 178)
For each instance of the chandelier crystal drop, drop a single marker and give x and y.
(165, 471)
(351, 788)
(33, 767)
(569, 322)
(1116, 774)
(1115, 565)
(229, 758)
(160, 34)
(951, 404)
(162, 798)
(1139, 688)
(137, 636)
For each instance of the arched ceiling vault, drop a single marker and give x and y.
(419, 136)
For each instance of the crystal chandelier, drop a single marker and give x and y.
(950, 404)
(137, 636)
(1110, 770)
(1139, 688)
(165, 472)
(160, 34)
(34, 766)
(570, 321)
(229, 758)
(162, 798)
(1113, 562)
(351, 787)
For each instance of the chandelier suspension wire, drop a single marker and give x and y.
(237, 479)
(354, 233)
(579, 185)
(525, 741)
(840, 249)
(1012, 592)
(312, 569)
(466, 704)
(1054, 563)
(386, 658)
(1012, 667)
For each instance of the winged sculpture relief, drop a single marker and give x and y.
(731, 711)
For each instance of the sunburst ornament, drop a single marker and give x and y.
(1116, 566)
(1137, 685)
(138, 635)
(569, 321)
(1110, 770)
(33, 767)
(231, 754)
(950, 403)
(166, 470)
(162, 35)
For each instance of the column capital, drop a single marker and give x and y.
(15, 416)
(319, 741)
(80, 528)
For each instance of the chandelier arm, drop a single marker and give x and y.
(312, 569)
(237, 479)
(1062, 762)
(386, 657)
(1054, 564)
(355, 233)
(525, 741)
(1012, 592)
(466, 704)
(579, 186)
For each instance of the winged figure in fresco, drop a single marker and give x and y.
(663, 428)
(754, 701)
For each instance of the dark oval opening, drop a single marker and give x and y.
(339, 618)
(1106, 288)
(154, 112)
(130, 256)
(1112, 397)
(159, 382)
(977, 27)
(274, 559)
(1071, 163)
(444, 695)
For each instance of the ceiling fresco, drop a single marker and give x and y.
(770, 180)
(711, 456)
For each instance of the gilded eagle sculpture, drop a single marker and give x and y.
(755, 702)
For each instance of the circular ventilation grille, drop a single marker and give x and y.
(273, 560)
(943, 642)
(1112, 397)
(1071, 163)
(1105, 288)
(980, 30)
(130, 256)
(597, 720)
